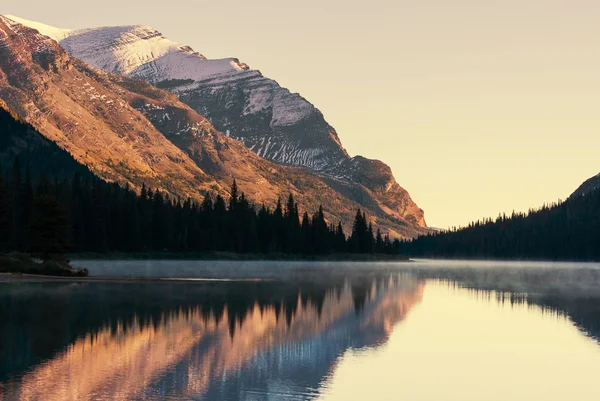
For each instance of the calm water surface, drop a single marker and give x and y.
(297, 331)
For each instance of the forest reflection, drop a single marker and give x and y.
(106, 341)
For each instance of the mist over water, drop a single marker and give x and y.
(279, 330)
(527, 277)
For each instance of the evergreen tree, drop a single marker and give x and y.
(49, 228)
(379, 245)
(5, 215)
(308, 237)
(220, 225)
(233, 200)
(97, 219)
(340, 239)
(18, 226)
(26, 199)
(107, 217)
(321, 243)
(568, 230)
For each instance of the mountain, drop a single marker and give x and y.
(126, 130)
(41, 156)
(270, 120)
(567, 231)
(89, 116)
(588, 186)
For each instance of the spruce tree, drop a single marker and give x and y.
(233, 200)
(5, 215)
(49, 229)
(17, 225)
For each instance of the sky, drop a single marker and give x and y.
(479, 106)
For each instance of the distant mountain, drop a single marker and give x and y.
(128, 131)
(568, 231)
(588, 186)
(270, 120)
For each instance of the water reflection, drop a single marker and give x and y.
(190, 341)
(463, 344)
(336, 334)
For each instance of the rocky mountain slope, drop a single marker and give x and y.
(589, 185)
(92, 120)
(41, 156)
(128, 131)
(270, 120)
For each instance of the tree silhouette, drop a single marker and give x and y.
(49, 228)
(5, 217)
(50, 204)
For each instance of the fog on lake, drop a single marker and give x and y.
(427, 330)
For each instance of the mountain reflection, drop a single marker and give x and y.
(194, 341)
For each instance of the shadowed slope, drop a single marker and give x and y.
(270, 120)
(127, 131)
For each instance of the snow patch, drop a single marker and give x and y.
(57, 34)
(143, 52)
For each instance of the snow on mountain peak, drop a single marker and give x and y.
(143, 52)
(57, 34)
(227, 91)
(137, 51)
(275, 123)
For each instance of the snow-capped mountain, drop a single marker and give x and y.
(276, 124)
(241, 103)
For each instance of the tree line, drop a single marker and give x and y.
(567, 230)
(85, 214)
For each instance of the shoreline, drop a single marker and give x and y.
(236, 257)
(31, 278)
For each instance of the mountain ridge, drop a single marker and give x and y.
(589, 185)
(103, 119)
(273, 122)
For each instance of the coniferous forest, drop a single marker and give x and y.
(50, 204)
(568, 230)
(95, 216)
(44, 191)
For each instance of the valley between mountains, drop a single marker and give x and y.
(138, 109)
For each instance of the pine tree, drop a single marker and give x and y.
(98, 236)
(108, 217)
(379, 245)
(369, 240)
(278, 214)
(358, 228)
(15, 191)
(340, 239)
(5, 215)
(321, 244)
(221, 239)
(264, 229)
(26, 197)
(49, 229)
(308, 237)
(233, 200)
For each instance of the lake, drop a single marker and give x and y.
(337, 331)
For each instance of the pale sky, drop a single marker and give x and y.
(479, 107)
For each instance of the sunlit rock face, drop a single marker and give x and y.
(86, 114)
(240, 102)
(128, 131)
(193, 353)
